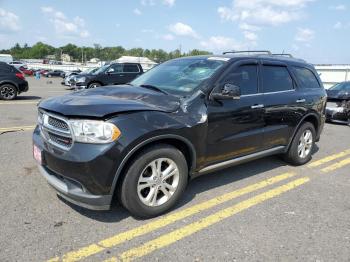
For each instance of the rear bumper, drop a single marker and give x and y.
(23, 87)
(74, 193)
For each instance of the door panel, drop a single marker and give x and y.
(235, 127)
(283, 110)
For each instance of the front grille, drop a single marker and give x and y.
(55, 130)
(58, 123)
(60, 140)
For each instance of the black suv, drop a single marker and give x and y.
(189, 116)
(112, 74)
(12, 82)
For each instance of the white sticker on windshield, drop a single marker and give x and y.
(219, 58)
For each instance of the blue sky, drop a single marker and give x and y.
(316, 30)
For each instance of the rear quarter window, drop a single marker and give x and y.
(276, 79)
(131, 69)
(306, 78)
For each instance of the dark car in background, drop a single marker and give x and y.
(338, 103)
(12, 82)
(186, 117)
(112, 74)
(56, 73)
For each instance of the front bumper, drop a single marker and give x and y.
(337, 115)
(74, 193)
(83, 175)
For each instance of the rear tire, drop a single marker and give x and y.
(8, 92)
(154, 182)
(93, 85)
(301, 148)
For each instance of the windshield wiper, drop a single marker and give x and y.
(152, 87)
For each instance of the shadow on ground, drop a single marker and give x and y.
(201, 184)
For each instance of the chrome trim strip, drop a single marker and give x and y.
(241, 159)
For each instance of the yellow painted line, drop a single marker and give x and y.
(16, 128)
(167, 220)
(201, 224)
(337, 165)
(20, 103)
(329, 158)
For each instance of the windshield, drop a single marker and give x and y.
(341, 87)
(180, 76)
(89, 71)
(101, 70)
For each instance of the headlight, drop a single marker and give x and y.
(94, 132)
(81, 79)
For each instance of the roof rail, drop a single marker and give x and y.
(287, 55)
(253, 51)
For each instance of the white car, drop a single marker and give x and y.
(18, 64)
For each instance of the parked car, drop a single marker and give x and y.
(53, 73)
(338, 100)
(18, 64)
(26, 71)
(184, 118)
(12, 82)
(74, 72)
(112, 74)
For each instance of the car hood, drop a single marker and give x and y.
(336, 94)
(110, 100)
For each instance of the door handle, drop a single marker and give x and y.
(301, 101)
(257, 106)
(121, 75)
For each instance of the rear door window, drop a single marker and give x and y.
(276, 79)
(306, 78)
(117, 68)
(245, 77)
(131, 68)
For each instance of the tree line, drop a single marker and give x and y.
(78, 54)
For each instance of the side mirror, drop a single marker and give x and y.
(229, 91)
(110, 70)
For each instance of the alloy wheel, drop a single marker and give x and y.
(305, 144)
(158, 182)
(8, 92)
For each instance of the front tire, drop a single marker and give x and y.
(300, 151)
(8, 92)
(154, 182)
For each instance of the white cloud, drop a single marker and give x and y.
(340, 25)
(9, 22)
(221, 43)
(250, 36)
(248, 27)
(168, 37)
(65, 27)
(147, 31)
(304, 35)
(182, 29)
(169, 3)
(137, 11)
(338, 7)
(263, 12)
(148, 2)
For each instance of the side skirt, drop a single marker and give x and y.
(240, 160)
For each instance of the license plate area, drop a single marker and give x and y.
(37, 154)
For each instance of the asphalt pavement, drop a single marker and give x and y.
(264, 210)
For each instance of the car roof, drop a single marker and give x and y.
(239, 56)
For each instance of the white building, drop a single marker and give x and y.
(145, 62)
(332, 74)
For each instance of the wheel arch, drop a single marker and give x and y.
(6, 82)
(95, 81)
(310, 117)
(179, 142)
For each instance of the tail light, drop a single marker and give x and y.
(20, 75)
